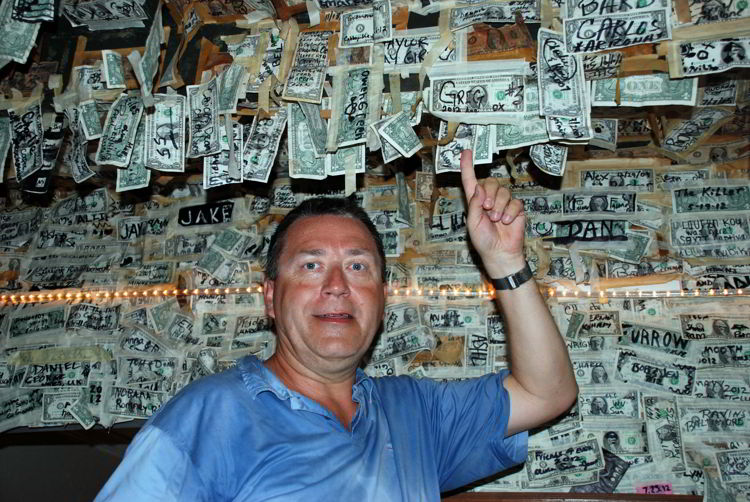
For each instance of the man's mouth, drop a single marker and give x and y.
(335, 317)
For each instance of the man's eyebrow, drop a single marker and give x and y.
(322, 252)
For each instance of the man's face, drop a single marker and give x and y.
(328, 298)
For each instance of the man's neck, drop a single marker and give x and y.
(333, 392)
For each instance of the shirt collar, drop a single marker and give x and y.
(259, 379)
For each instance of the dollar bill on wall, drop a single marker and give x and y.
(561, 81)
(118, 137)
(261, 147)
(203, 109)
(448, 157)
(586, 35)
(165, 134)
(306, 77)
(549, 158)
(27, 137)
(303, 161)
(689, 59)
(113, 70)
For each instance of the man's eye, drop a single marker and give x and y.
(310, 266)
(358, 267)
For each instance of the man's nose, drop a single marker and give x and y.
(336, 283)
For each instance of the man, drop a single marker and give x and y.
(308, 425)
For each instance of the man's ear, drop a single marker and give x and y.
(268, 285)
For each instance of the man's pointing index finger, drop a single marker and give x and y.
(468, 178)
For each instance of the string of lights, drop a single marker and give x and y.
(486, 292)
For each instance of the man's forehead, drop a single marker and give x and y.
(321, 232)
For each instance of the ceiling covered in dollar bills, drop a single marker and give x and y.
(150, 148)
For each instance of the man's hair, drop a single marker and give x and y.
(320, 206)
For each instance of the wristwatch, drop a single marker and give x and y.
(512, 281)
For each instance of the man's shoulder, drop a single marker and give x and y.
(210, 396)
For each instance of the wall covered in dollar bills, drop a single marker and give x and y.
(149, 149)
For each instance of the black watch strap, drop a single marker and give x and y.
(512, 281)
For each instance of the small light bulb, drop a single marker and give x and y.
(726, 291)
(711, 292)
(739, 291)
(395, 291)
(260, 289)
(196, 291)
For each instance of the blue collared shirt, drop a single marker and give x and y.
(242, 435)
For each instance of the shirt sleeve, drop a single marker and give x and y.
(470, 422)
(154, 468)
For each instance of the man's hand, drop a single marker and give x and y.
(495, 220)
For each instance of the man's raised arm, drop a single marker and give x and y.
(541, 384)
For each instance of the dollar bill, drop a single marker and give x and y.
(87, 316)
(74, 148)
(716, 326)
(5, 141)
(636, 248)
(609, 403)
(691, 231)
(638, 180)
(655, 374)
(724, 353)
(216, 167)
(575, 203)
(37, 321)
(113, 70)
(67, 374)
(687, 134)
(304, 161)
(352, 108)
(688, 59)
(349, 157)
(143, 369)
(711, 198)
(581, 8)
(666, 340)
(232, 83)
(594, 370)
(398, 132)
(203, 102)
(712, 417)
(55, 404)
(17, 36)
(134, 339)
(218, 265)
(136, 175)
(406, 50)
(585, 456)
(717, 91)
(400, 317)
(601, 323)
(357, 28)
(81, 412)
(118, 138)
(448, 227)
(180, 329)
(561, 81)
(605, 133)
(444, 318)
(601, 66)
(529, 132)
(494, 12)
(396, 344)
(307, 74)
(594, 34)
(262, 145)
(89, 119)
(727, 384)
(132, 402)
(624, 437)
(27, 137)
(549, 158)
(316, 126)
(448, 157)
(387, 150)
(645, 90)
(484, 95)
(734, 466)
(663, 427)
(165, 134)
(148, 64)
(271, 62)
